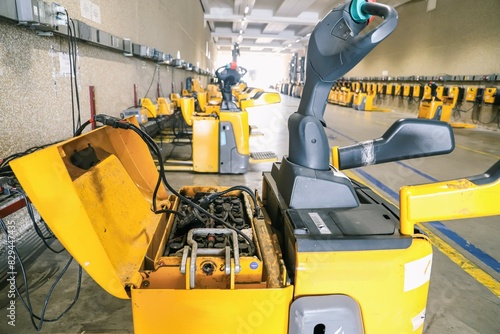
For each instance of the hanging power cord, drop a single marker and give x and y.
(72, 55)
(36, 320)
(157, 70)
(179, 123)
(5, 169)
(25, 300)
(118, 123)
(37, 229)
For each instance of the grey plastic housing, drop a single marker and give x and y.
(304, 188)
(335, 47)
(230, 160)
(405, 139)
(325, 314)
(305, 179)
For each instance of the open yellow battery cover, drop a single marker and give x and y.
(102, 215)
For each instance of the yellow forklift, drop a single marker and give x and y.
(315, 252)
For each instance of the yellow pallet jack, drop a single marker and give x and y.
(436, 106)
(346, 96)
(333, 94)
(363, 101)
(317, 253)
(220, 134)
(163, 107)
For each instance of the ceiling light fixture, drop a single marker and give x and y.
(247, 9)
(289, 45)
(241, 31)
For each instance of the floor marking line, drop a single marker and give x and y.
(477, 151)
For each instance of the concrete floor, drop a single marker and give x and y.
(458, 302)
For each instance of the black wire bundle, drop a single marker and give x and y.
(117, 123)
(157, 70)
(37, 229)
(179, 123)
(5, 169)
(476, 115)
(162, 179)
(25, 300)
(72, 55)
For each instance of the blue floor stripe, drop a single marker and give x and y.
(478, 253)
(484, 257)
(378, 184)
(416, 171)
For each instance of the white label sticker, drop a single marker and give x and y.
(86, 9)
(418, 320)
(96, 13)
(320, 224)
(417, 273)
(64, 68)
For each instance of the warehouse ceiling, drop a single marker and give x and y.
(267, 25)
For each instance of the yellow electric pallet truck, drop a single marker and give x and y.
(220, 134)
(316, 253)
(363, 101)
(435, 105)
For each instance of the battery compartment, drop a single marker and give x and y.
(223, 258)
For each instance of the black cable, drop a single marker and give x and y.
(494, 118)
(5, 169)
(72, 56)
(38, 231)
(81, 128)
(241, 188)
(77, 92)
(179, 123)
(157, 69)
(71, 79)
(175, 212)
(154, 147)
(27, 303)
(117, 123)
